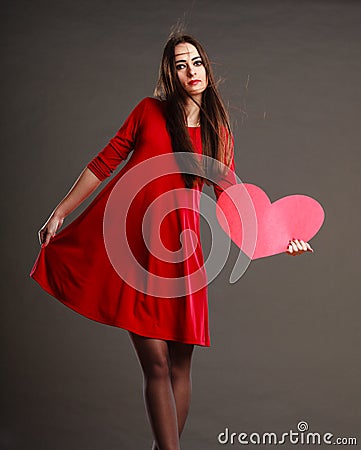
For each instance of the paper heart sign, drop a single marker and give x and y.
(261, 228)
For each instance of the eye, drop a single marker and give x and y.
(199, 62)
(180, 66)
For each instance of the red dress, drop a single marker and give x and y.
(75, 267)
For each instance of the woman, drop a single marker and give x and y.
(188, 115)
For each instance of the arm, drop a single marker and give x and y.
(86, 183)
(228, 180)
(97, 170)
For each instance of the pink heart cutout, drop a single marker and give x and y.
(261, 228)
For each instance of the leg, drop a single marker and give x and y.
(154, 359)
(181, 363)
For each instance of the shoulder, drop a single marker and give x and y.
(151, 102)
(144, 107)
(151, 108)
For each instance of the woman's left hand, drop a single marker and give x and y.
(297, 247)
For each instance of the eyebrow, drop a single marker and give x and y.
(183, 60)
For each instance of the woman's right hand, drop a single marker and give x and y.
(86, 183)
(49, 229)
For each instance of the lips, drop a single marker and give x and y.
(194, 82)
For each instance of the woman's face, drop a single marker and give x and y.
(190, 69)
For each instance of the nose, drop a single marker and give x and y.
(191, 71)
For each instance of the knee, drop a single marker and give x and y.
(158, 369)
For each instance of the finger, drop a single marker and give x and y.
(299, 246)
(43, 234)
(46, 237)
(291, 251)
(304, 246)
(294, 246)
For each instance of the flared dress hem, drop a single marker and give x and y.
(117, 324)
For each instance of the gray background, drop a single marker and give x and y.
(285, 337)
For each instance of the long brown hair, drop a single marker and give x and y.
(214, 120)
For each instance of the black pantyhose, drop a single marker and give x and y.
(167, 385)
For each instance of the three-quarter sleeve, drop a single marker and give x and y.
(119, 146)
